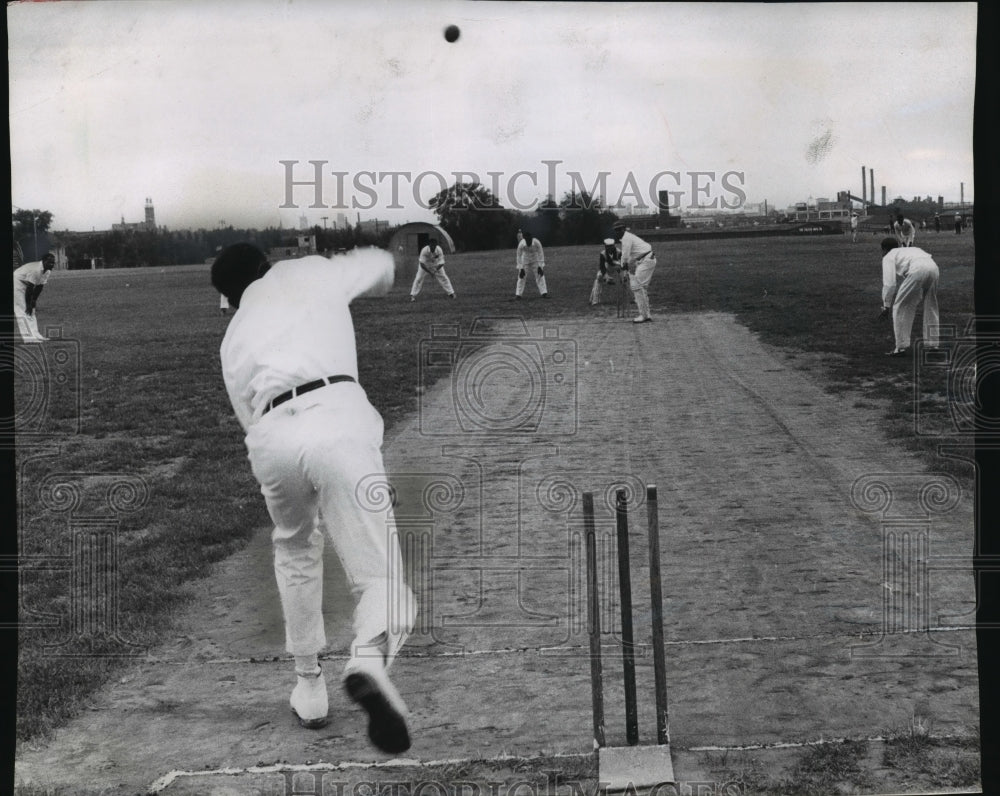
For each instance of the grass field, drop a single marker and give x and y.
(151, 407)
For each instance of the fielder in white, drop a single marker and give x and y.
(431, 262)
(530, 256)
(854, 227)
(638, 258)
(290, 368)
(919, 275)
(904, 229)
(29, 280)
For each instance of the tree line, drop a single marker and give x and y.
(476, 219)
(468, 212)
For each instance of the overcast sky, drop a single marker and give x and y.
(196, 103)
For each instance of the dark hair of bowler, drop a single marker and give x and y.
(888, 244)
(237, 267)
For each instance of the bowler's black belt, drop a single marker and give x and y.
(302, 389)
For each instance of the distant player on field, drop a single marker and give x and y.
(530, 256)
(29, 280)
(638, 258)
(903, 229)
(854, 227)
(431, 263)
(919, 275)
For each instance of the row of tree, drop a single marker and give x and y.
(30, 233)
(469, 212)
(476, 219)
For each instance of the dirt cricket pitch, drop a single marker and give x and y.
(788, 522)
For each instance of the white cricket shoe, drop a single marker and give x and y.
(367, 683)
(309, 700)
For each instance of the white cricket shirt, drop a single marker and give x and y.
(33, 273)
(294, 326)
(532, 255)
(897, 264)
(634, 247)
(431, 258)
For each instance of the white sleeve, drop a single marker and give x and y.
(241, 406)
(371, 273)
(244, 414)
(360, 272)
(626, 249)
(889, 278)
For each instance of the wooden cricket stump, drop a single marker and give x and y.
(631, 766)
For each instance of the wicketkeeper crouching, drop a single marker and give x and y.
(609, 266)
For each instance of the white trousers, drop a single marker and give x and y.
(440, 276)
(309, 455)
(639, 282)
(522, 278)
(919, 286)
(27, 325)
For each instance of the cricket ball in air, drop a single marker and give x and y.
(451, 33)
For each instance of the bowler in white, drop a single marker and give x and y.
(290, 368)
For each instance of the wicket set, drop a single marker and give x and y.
(626, 766)
(623, 293)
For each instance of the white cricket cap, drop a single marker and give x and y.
(609, 241)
